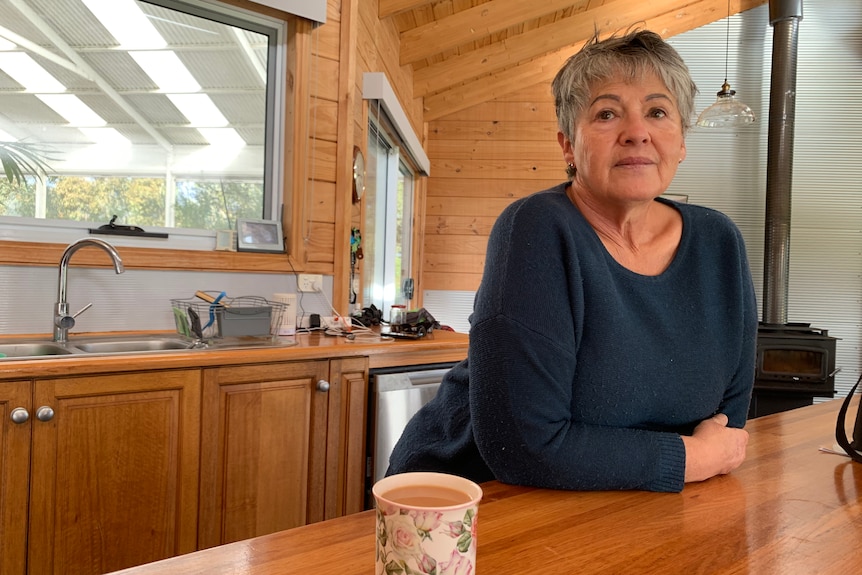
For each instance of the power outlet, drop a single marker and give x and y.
(309, 282)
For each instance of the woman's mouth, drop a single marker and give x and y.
(635, 161)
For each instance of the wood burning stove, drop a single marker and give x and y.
(795, 363)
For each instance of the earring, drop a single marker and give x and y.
(572, 166)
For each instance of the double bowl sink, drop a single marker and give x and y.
(33, 349)
(108, 345)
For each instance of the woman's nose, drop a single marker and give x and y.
(634, 130)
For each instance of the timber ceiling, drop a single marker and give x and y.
(465, 52)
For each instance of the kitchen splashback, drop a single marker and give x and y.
(134, 300)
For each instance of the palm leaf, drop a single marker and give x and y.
(22, 158)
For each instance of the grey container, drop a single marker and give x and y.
(244, 321)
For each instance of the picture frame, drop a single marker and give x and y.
(259, 235)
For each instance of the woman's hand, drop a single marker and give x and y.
(713, 449)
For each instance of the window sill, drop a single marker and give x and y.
(44, 254)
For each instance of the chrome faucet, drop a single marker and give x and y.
(63, 322)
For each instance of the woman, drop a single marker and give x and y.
(612, 339)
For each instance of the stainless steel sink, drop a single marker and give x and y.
(12, 349)
(131, 345)
(97, 345)
(33, 349)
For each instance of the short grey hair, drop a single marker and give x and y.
(631, 55)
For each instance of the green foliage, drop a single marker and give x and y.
(18, 199)
(215, 205)
(209, 205)
(21, 158)
(137, 201)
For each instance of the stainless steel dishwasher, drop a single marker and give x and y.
(396, 394)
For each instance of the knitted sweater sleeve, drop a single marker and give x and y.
(523, 362)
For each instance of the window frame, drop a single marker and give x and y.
(398, 165)
(296, 102)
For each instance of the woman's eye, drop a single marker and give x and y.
(657, 113)
(605, 115)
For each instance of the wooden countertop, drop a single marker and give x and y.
(789, 509)
(436, 347)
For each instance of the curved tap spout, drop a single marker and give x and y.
(63, 322)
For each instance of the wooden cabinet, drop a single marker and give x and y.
(282, 446)
(346, 435)
(113, 472)
(16, 411)
(126, 468)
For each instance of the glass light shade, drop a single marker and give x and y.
(726, 112)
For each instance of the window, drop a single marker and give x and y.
(387, 237)
(165, 113)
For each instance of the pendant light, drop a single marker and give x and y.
(727, 111)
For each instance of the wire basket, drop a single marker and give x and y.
(244, 318)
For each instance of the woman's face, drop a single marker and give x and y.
(628, 141)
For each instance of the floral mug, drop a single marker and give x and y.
(426, 524)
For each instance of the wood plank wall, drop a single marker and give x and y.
(319, 223)
(482, 159)
(330, 185)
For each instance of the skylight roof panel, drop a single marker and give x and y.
(126, 23)
(120, 71)
(222, 137)
(107, 108)
(252, 135)
(73, 22)
(70, 107)
(157, 109)
(199, 109)
(167, 70)
(222, 69)
(241, 107)
(181, 136)
(185, 30)
(105, 136)
(32, 77)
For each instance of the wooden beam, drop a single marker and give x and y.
(474, 24)
(543, 68)
(344, 152)
(608, 17)
(386, 8)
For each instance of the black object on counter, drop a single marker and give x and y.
(196, 323)
(113, 229)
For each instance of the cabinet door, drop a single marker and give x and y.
(263, 449)
(346, 437)
(14, 474)
(115, 471)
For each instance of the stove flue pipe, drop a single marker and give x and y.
(784, 17)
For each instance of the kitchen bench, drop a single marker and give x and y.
(165, 453)
(789, 509)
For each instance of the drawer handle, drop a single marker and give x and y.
(44, 413)
(322, 385)
(19, 415)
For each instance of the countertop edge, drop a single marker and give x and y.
(439, 346)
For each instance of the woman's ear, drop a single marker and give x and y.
(566, 146)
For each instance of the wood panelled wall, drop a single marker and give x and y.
(482, 159)
(351, 42)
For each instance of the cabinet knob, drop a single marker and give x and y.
(322, 385)
(44, 413)
(19, 415)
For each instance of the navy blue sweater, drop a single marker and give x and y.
(582, 374)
